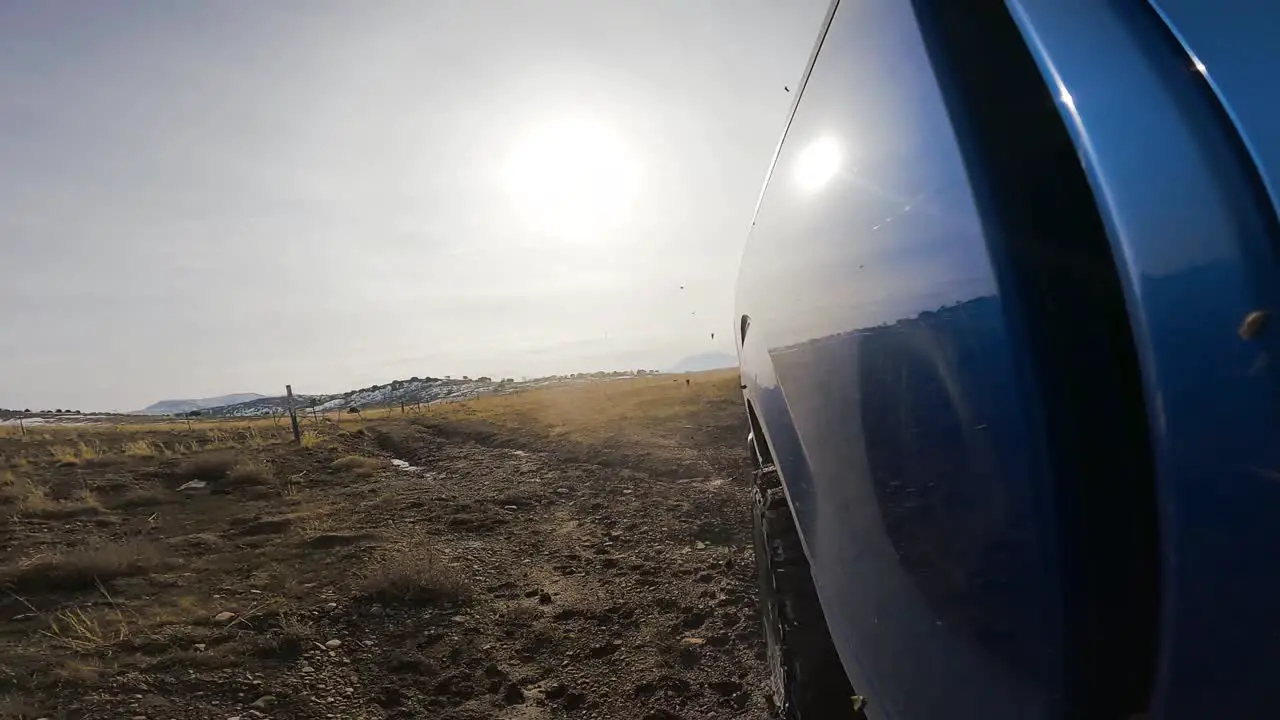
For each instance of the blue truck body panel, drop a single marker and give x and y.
(1194, 234)
(890, 357)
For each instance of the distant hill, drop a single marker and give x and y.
(171, 407)
(705, 361)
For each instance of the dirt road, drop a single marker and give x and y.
(578, 552)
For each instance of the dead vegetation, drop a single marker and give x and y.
(411, 573)
(544, 549)
(358, 465)
(80, 569)
(210, 467)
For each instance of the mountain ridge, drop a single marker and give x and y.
(704, 361)
(174, 407)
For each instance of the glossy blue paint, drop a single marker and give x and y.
(1195, 237)
(898, 370)
(1234, 44)
(892, 392)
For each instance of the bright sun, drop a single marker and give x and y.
(574, 179)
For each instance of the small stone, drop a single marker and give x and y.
(308, 669)
(263, 702)
(562, 490)
(510, 507)
(200, 647)
(330, 607)
(375, 610)
(333, 644)
(693, 641)
(544, 597)
(224, 616)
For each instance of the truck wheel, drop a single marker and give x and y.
(806, 679)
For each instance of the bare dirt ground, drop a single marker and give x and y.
(573, 552)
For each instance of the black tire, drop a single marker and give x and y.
(806, 679)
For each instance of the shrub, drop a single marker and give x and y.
(22, 492)
(358, 465)
(248, 475)
(409, 575)
(32, 500)
(214, 466)
(139, 448)
(81, 569)
(64, 455)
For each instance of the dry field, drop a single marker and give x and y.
(580, 551)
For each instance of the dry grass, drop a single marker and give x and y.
(249, 475)
(140, 448)
(30, 499)
(80, 569)
(213, 466)
(310, 439)
(78, 505)
(409, 574)
(21, 491)
(64, 455)
(88, 632)
(195, 424)
(358, 465)
(593, 410)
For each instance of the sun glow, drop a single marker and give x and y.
(818, 162)
(575, 179)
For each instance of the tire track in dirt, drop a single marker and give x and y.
(601, 592)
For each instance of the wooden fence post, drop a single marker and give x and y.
(293, 415)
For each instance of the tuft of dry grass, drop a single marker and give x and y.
(248, 475)
(87, 632)
(76, 671)
(412, 574)
(80, 569)
(19, 462)
(64, 455)
(20, 491)
(30, 499)
(78, 505)
(213, 466)
(89, 451)
(358, 465)
(140, 448)
(310, 439)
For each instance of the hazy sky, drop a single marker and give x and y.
(207, 197)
